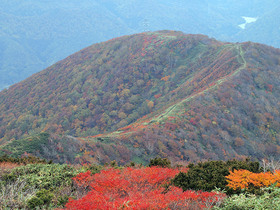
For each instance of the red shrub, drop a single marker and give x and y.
(142, 188)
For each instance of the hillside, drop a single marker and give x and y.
(37, 34)
(186, 97)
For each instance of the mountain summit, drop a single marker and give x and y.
(186, 97)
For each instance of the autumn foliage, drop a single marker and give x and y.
(241, 179)
(138, 188)
(185, 97)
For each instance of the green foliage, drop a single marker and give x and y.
(162, 162)
(269, 200)
(42, 198)
(55, 148)
(203, 176)
(92, 168)
(31, 145)
(25, 160)
(62, 200)
(210, 175)
(43, 176)
(40, 185)
(35, 202)
(247, 164)
(15, 195)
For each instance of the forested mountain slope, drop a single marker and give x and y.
(164, 93)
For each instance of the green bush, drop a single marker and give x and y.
(44, 176)
(62, 200)
(211, 174)
(247, 164)
(42, 198)
(92, 168)
(31, 145)
(24, 160)
(162, 162)
(51, 185)
(269, 200)
(34, 202)
(203, 176)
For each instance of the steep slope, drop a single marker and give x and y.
(237, 116)
(187, 97)
(112, 84)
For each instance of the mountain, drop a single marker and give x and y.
(186, 97)
(264, 30)
(36, 34)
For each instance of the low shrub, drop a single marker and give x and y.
(139, 188)
(42, 198)
(212, 174)
(43, 176)
(269, 200)
(161, 162)
(14, 195)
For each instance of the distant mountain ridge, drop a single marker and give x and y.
(36, 34)
(186, 97)
(263, 30)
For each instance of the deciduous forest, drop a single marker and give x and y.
(185, 97)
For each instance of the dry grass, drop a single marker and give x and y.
(16, 194)
(4, 166)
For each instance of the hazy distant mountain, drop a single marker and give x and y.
(265, 30)
(163, 93)
(36, 34)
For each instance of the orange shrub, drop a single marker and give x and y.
(238, 179)
(241, 179)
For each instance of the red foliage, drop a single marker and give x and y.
(270, 87)
(141, 188)
(192, 121)
(170, 126)
(83, 179)
(158, 95)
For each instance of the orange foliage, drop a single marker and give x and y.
(165, 78)
(158, 95)
(150, 104)
(238, 142)
(240, 179)
(8, 165)
(262, 179)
